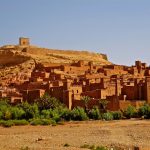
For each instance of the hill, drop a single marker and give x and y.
(16, 59)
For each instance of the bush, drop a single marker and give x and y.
(55, 114)
(3, 103)
(95, 113)
(93, 147)
(117, 115)
(17, 113)
(25, 148)
(78, 114)
(107, 116)
(65, 114)
(20, 122)
(1, 115)
(41, 122)
(101, 148)
(144, 111)
(7, 115)
(88, 146)
(31, 111)
(47, 102)
(45, 114)
(8, 123)
(130, 112)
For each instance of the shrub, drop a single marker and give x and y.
(4, 109)
(95, 113)
(85, 146)
(1, 115)
(17, 113)
(24, 148)
(78, 114)
(47, 102)
(8, 123)
(65, 114)
(7, 115)
(107, 116)
(41, 122)
(130, 112)
(144, 111)
(31, 111)
(92, 147)
(55, 115)
(117, 115)
(3, 102)
(101, 148)
(20, 122)
(45, 114)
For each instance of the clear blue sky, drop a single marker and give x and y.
(118, 28)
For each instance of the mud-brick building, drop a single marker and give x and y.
(120, 85)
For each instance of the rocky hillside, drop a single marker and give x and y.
(16, 59)
(64, 56)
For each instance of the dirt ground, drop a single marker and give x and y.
(123, 134)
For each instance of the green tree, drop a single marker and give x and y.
(103, 104)
(86, 100)
(31, 111)
(79, 114)
(94, 113)
(47, 102)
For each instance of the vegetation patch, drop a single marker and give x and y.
(93, 147)
(35, 122)
(49, 111)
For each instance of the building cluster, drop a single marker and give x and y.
(120, 85)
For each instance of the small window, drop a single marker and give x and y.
(77, 91)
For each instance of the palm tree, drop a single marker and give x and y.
(86, 100)
(103, 104)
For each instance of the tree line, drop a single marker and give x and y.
(48, 110)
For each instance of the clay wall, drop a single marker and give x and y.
(52, 68)
(93, 94)
(124, 104)
(31, 95)
(75, 70)
(147, 89)
(40, 74)
(81, 103)
(129, 91)
(56, 92)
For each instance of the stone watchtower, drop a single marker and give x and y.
(24, 41)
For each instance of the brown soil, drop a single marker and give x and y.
(123, 134)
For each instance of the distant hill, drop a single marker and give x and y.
(19, 59)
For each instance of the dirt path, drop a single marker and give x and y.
(123, 134)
